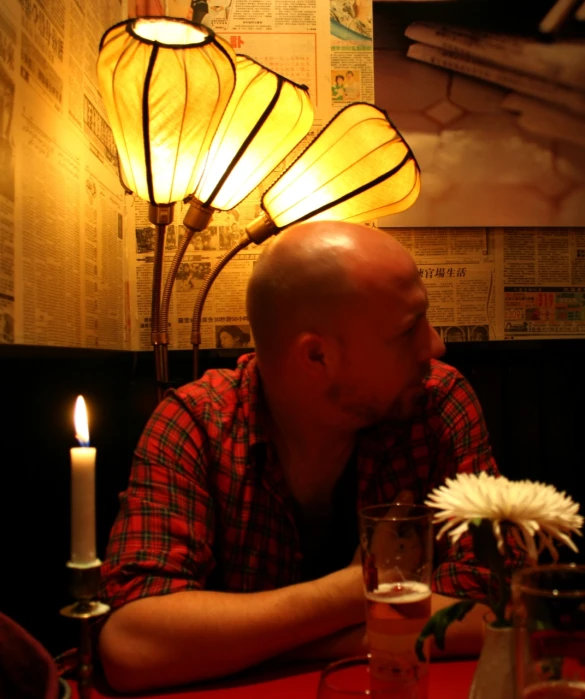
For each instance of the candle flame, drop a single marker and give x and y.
(81, 427)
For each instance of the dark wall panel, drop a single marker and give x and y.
(531, 394)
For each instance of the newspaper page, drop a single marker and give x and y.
(62, 253)
(543, 280)
(308, 42)
(458, 268)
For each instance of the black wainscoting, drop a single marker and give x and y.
(531, 393)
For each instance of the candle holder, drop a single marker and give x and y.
(84, 585)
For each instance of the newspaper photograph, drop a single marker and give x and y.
(494, 114)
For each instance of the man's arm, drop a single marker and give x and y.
(195, 635)
(462, 639)
(166, 628)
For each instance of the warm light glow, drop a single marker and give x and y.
(266, 117)
(165, 85)
(168, 33)
(358, 168)
(81, 425)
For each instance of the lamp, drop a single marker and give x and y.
(357, 168)
(192, 121)
(165, 84)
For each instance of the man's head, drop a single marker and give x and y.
(338, 310)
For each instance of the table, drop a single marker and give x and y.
(448, 680)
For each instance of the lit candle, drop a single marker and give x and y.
(82, 492)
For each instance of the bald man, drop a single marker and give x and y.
(237, 536)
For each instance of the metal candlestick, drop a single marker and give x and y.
(84, 585)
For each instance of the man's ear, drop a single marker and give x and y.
(317, 354)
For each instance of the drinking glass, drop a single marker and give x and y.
(549, 621)
(352, 678)
(397, 556)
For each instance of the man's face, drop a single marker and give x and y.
(387, 347)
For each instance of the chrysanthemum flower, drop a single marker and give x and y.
(534, 509)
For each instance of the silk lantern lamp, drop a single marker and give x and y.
(191, 121)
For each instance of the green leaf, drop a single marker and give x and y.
(437, 625)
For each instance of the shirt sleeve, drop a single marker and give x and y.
(161, 541)
(463, 447)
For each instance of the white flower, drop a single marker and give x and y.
(534, 508)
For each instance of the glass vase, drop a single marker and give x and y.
(494, 676)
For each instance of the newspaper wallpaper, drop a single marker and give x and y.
(498, 231)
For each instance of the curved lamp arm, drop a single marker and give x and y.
(202, 295)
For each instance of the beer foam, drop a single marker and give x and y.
(408, 591)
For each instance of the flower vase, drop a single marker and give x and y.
(494, 676)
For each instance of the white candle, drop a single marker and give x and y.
(82, 492)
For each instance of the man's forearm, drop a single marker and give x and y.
(190, 636)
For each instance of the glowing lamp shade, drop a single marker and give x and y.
(265, 119)
(358, 168)
(165, 85)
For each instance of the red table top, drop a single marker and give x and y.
(448, 680)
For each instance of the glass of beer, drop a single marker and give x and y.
(549, 622)
(397, 560)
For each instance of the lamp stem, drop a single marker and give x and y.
(170, 280)
(160, 215)
(202, 295)
(159, 341)
(196, 219)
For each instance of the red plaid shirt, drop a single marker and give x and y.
(207, 505)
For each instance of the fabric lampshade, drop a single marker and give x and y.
(358, 168)
(265, 119)
(165, 84)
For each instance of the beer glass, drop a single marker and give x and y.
(397, 557)
(549, 622)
